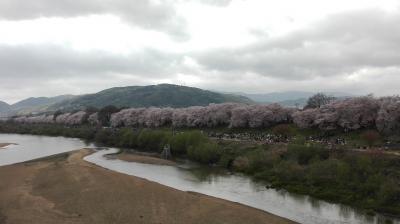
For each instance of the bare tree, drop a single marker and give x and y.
(318, 100)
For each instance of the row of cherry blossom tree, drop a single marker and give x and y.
(348, 114)
(78, 118)
(214, 115)
(353, 114)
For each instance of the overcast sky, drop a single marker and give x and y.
(49, 47)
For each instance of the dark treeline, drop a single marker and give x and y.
(369, 180)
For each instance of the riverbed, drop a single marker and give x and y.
(200, 179)
(241, 189)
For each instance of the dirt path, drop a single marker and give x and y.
(66, 189)
(371, 151)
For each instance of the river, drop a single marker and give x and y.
(232, 187)
(31, 147)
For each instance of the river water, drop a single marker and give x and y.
(239, 188)
(32, 147)
(232, 187)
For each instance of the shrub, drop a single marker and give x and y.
(303, 154)
(153, 140)
(283, 130)
(127, 138)
(323, 172)
(288, 171)
(370, 137)
(105, 136)
(260, 159)
(389, 194)
(182, 141)
(241, 163)
(208, 152)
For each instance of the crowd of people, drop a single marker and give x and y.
(267, 138)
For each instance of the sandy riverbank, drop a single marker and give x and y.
(3, 145)
(67, 189)
(130, 157)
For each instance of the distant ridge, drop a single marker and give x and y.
(31, 105)
(162, 95)
(39, 101)
(4, 107)
(289, 98)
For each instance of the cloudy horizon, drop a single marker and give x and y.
(50, 48)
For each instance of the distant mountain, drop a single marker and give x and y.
(275, 97)
(4, 107)
(299, 103)
(31, 105)
(163, 95)
(36, 102)
(289, 98)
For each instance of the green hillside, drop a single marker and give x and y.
(163, 95)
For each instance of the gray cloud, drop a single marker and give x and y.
(34, 70)
(341, 44)
(216, 2)
(143, 13)
(49, 61)
(355, 52)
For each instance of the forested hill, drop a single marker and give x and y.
(163, 95)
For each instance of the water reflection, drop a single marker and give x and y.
(344, 211)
